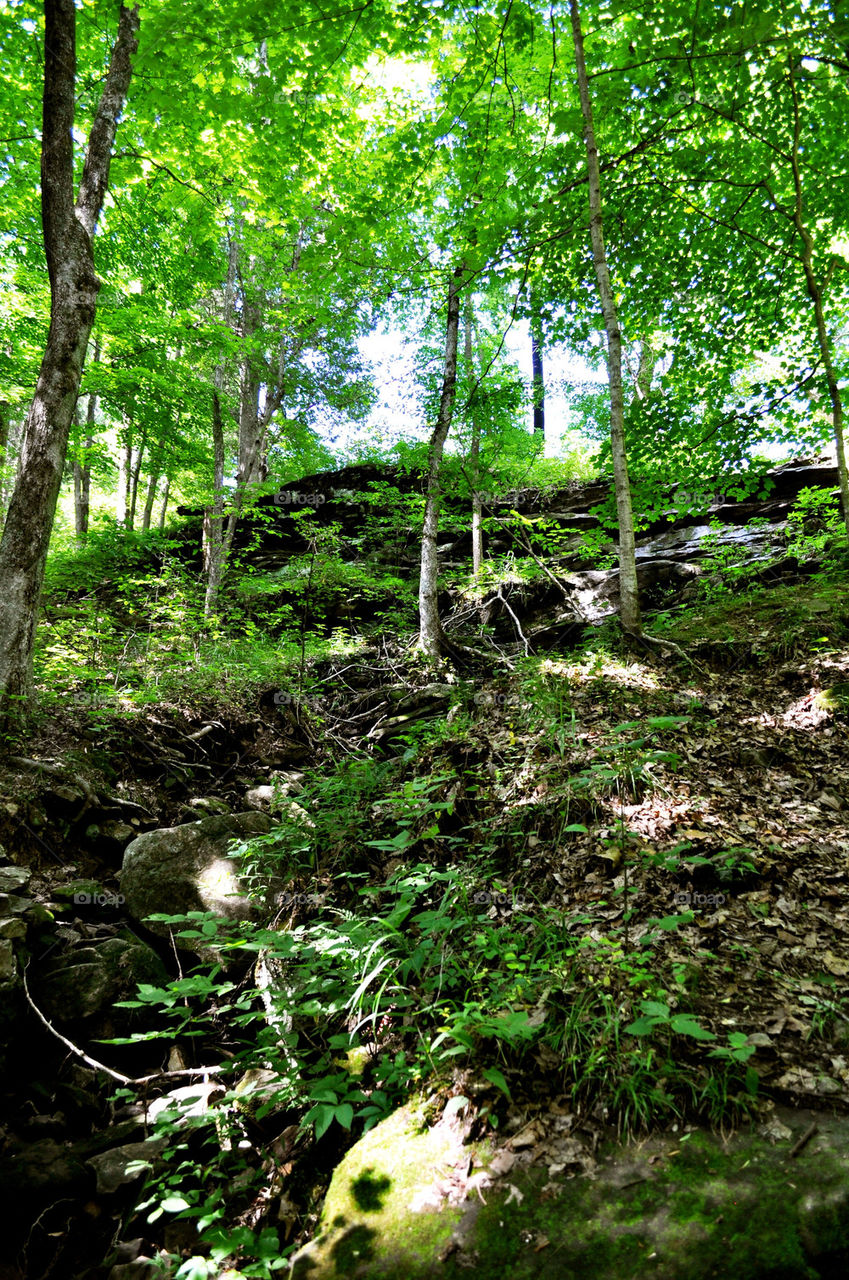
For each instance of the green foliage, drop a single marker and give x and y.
(815, 527)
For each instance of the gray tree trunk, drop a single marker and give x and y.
(815, 293)
(474, 447)
(125, 471)
(164, 507)
(431, 638)
(214, 515)
(152, 485)
(82, 470)
(68, 227)
(629, 607)
(5, 419)
(537, 376)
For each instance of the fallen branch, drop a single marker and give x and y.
(522, 635)
(101, 1066)
(798, 1145)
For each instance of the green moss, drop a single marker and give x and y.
(696, 1210)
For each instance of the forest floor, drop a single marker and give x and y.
(674, 823)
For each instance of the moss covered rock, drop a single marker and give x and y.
(680, 1207)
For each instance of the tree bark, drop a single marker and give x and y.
(82, 483)
(629, 607)
(82, 470)
(431, 637)
(5, 416)
(645, 369)
(152, 485)
(214, 515)
(537, 377)
(68, 228)
(474, 447)
(125, 471)
(164, 507)
(815, 293)
(134, 481)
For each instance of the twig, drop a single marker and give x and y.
(100, 1066)
(642, 638)
(92, 1062)
(802, 1142)
(522, 635)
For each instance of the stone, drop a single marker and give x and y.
(260, 797)
(141, 1268)
(408, 1200)
(209, 804)
(38, 1171)
(175, 870)
(122, 1165)
(8, 966)
(14, 878)
(85, 981)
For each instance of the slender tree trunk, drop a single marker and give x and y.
(68, 227)
(474, 447)
(538, 379)
(125, 471)
(214, 517)
(4, 449)
(629, 609)
(152, 484)
(82, 470)
(645, 369)
(134, 481)
(431, 638)
(815, 293)
(82, 489)
(164, 507)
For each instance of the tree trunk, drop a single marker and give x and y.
(82, 483)
(474, 447)
(815, 293)
(68, 228)
(629, 608)
(645, 369)
(214, 516)
(431, 636)
(537, 380)
(164, 507)
(4, 448)
(82, 470)
(134, 481)
(125, 471)
(152, 484)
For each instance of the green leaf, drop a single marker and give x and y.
(683, 1024)
(496, 1077)
(174, 1204)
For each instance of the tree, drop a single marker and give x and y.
(628, 586)
(431, 636)
(68, 229)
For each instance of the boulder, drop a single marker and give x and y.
(120, 1166)
(412, 1200)
(85, 981)
(180, 869)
